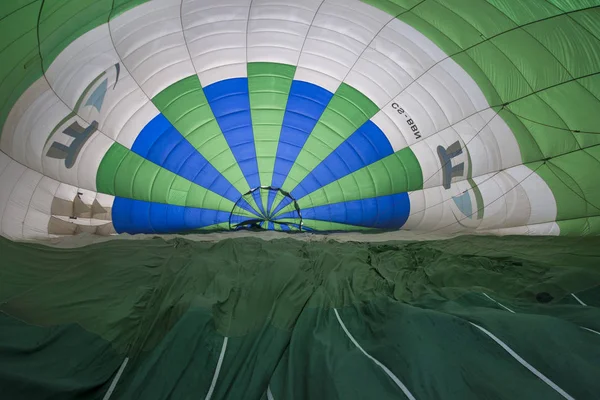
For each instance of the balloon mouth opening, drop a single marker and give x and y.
(266, 208)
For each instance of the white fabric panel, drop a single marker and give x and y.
(340, 32)
(390, 130)
(150, 42)
(506, 203)
(16, 209)
(463, 81)
(66, 192)
(431, 211)
(83, 221)
(105, 200)
(395, 58)
(509, 199)
(80, 63)
(35, 225)
(541, 199)
(545, 229)
(277, 29)
(126, 110)
(30, 122)
(4, 162)
(215, 31)
(44, 195)
(486, 136)
(10, 180)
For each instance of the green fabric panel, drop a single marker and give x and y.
(347, 111)
(20, 65)
(30, 366)
(530, 149)
(592, 83)
(123, 173)
(502, 73)
(269, 87)
(569, 179)
(580, 112)
(277, 302)
(589, 20)
(571, 5)
(328, 226)
(549, 131)
(397, 173)
(486, 19)
(390, 6)
(121, 6)
(537, 65)
(579, 226)
(9, 7)
(428, 29)
(525, 12)
(450, 22)
(82, 16)
(572, 44)
(60, 24)
(186, 107)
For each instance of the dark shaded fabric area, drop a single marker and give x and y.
(268, 316)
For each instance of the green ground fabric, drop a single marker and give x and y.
(253, 319)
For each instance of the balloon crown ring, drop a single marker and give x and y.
(263, 206)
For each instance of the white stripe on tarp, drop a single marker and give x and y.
(524, 363)
(269, 394)
(383, 367)
(113, 384)
(591, 330)
(578, 299)
(217, 370)
(497, 302)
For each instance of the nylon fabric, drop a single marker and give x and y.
(410, 306)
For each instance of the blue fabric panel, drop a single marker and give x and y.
(305, 106)
(162, 144)
(284, 227)
(136, 216)
(270, 200)
(385, 212)
(365, 146)
(230, 102)
(270, 226)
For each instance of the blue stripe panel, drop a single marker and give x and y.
(365, 146)
(230, 103)
(385, 212)
(161, 143)
(136, 216)
(284, 227)
(306, 103)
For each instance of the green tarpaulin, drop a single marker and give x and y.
(466, 318)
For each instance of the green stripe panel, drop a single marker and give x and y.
(61, 22)
(589, 226)
(81, 16)
(186, 107)
(328, 226)
(347, 111)
(269, 86)
(576, 195)
(125, 174)
(224, 226)
(397, 173)
(20, 65)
